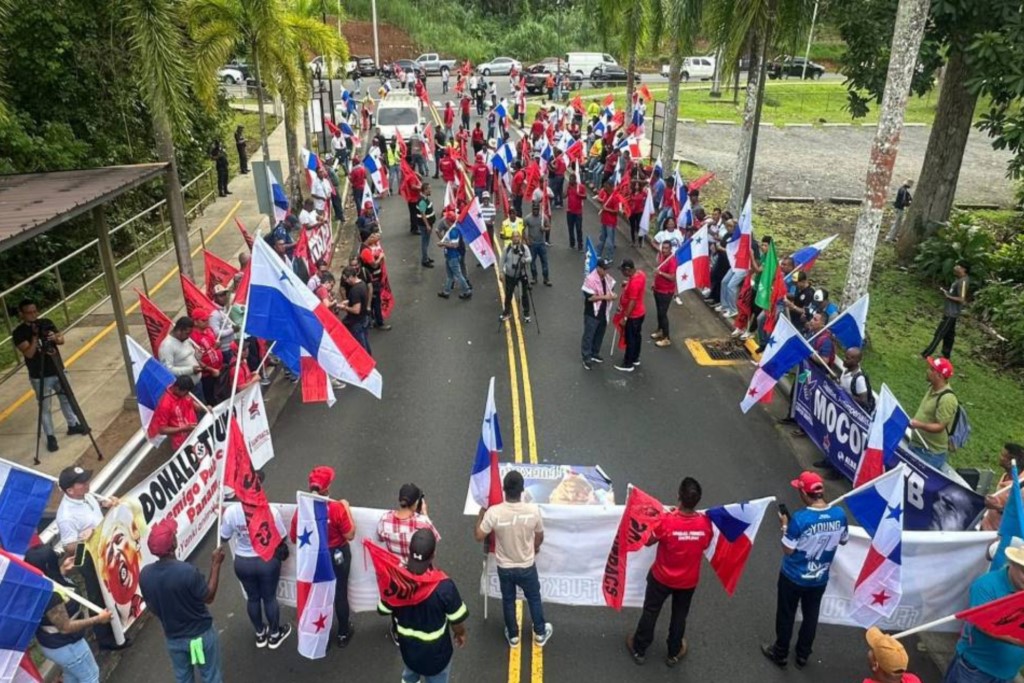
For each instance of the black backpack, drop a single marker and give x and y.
(870, 407)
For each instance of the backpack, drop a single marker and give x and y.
(867, 382)
(960, 430)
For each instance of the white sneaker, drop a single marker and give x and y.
(679, 301)
(718, 308)
(745, 336)
(542, 638)
(735, 333)
(729, 314)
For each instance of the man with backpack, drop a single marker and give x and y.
(855, 382)
(939, 421)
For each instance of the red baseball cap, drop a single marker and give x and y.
(163, 537)
(200, 314)
(809, 482)
(941, 366)
(320, 477)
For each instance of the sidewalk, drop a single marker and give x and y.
(92, 351)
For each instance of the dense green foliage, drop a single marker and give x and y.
(960, 240)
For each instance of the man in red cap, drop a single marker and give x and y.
(177, 593)
(934, 418)
(810, 538)
(341, 529)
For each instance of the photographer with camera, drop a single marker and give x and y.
(514, 262)
(396, 527)
(37, 339)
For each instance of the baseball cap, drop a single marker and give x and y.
(409, 494)
(320, 477)
(421, 551)
(941, 366)
(604, 263)
(627, 263)
(200, 314)
(808, 482)
(163, 537)
(889, 652)
(69, 476)
(800, 276)
(820, 295)
(513, 483)
(485, 193)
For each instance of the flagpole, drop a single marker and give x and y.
(925, 627)
(265, 357)
(863, 486)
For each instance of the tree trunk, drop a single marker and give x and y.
(911, 17)
(263, 131)
(294, 173)
(747, 152)
(940, 171)
(630, 83)
(668, 137)
(172, 189)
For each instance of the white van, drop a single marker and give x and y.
(399, 111)
(584, 63)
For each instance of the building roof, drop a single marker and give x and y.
(33, 203)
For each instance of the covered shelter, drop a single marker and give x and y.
(31, 204)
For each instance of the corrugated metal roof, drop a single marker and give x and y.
(32, 203)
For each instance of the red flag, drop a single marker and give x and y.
(577, 104)
(399, 587)
(702, 181)
(245, 233)
(387, 297)
(1002, 618)
(639, 520)
(302, 249)
(618, 119)
(400, 143)
(428, 140)
(645, 92)
(609, 100)
(620, 325)
(241, 477)
(778, 293)
(242, 290)
(218, 271)
(314, 381)
(332, 126)
(194, 297)
(157, 322)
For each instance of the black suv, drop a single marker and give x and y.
(365, 67)
(794, 66)
(537, 75)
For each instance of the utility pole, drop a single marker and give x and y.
(911, 17)
(810, 37)
(376, 42)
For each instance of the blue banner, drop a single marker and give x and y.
(839, 428)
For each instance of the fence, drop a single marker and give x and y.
(75, 306)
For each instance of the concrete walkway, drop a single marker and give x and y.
(92, 352)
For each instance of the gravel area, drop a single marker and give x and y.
(832, 162)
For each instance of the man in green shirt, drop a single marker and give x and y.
(934, 417)
(955, 298)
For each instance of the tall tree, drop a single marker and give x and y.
(158, 49)
(906, 42)
(636, 17)
(680, 20)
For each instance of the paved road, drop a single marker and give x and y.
(669, 419)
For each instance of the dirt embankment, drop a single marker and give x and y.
(394, 42)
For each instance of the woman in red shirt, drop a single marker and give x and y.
(664, 289)
(211, 359)
(637, 200)
(341, 529)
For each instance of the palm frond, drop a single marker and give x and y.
(158, 48)
(213, 45)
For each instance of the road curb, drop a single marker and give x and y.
(798, 125)
(780, 199)
(850, 201)
(717, 122)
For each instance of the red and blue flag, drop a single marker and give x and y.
(485, 480)
(314, 576)
(734, 530)
(888, 425)
(879, 509)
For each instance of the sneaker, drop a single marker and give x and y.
(745, 336)
(526, 318)
(663, 342)
(262, 636)
(587, 365)
(265, 382)
(542, 638)
(345, 638)
(623, 368)
(637, 657)
(596, 359)
(466, 295)
(717, 308)
(769, 652)
(443, 295)
(504, 316)
(384, 328)
(76, 429)
(513, 641)
(636, 364)
(729, 315)
(427, 264)
(51, 444)
(672, 660)
(547, 283)
(735, 333)
(657, 335)
(679, 301)
(282, 634)
(801, 662)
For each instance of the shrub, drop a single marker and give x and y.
(960, 240)
(1001, 303)
(1008, 260)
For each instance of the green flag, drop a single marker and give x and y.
(763, 298)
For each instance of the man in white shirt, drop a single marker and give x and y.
(671, 233)
(221, 323)
(321, 190)
(178, 354)
(855, 382)
(307, 217)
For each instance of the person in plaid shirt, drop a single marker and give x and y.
(396, 527)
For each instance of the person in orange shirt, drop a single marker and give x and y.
(995, 503)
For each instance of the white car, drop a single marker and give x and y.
(400, 112)
(499, 66)
(229, 76)
(702, 68)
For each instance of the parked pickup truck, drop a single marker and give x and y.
(433, 64)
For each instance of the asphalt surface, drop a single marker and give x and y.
(669, 419)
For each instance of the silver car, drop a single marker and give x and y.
(499, 66)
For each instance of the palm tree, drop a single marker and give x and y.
(157, 47)
(680, 20)
(631, 23)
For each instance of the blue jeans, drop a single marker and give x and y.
(528, 580)
(181, 658)
(360, 330)
(731, 288)
(453, 274)
(574, 221)
(51, 385)
(539, 250)
(960, 671)
(259, 581)
(936, 460)
(425, 235)
(76, 661)
(410, 676)
(607, 237)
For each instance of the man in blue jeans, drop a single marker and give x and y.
(518, 532)
(177, 593)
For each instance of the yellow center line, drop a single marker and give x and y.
(99, 336)
(515, 654)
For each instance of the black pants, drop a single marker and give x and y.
(634, 226)
(510, 290)
(945, 333)
(104, 633)
(342, 560)
(377, 306)
(718, 273)
(654, 599)
(633, 340)
(243, 159)
(222, 181)
(259, 580)
(414, 224)
(574, 221)
(662, 300)
(809, 600)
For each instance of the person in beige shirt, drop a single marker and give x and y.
(518, 533)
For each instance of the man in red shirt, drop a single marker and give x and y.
(558, 168)
(175, 414)
(682, 535)
(464, 107)
(518, 186)
(631, 313)
(664, 289)
(478, 139)
(410, 191)
(611, 205)
(447, 165)
(357, 178)
(575, 196)
(481, 173)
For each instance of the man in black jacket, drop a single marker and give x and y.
(903, 200)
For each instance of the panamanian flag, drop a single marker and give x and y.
(693, 263)
(850, 327)
(485, 480)
(24, 594)
(474, 233)
(151, 382)
(23, 497)
(888, 425)
(785, 348)
(879, 509)
(314, 576)
(277, 196)
(805, 257)
(310, 162)
(734, 530)
(738, 247)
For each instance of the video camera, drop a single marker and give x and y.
(41, 329)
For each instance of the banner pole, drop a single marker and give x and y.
(925, 627)
(88, 604)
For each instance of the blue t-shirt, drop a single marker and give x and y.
(454, 235)
(996, 658)
(175, 592)
(813, 534)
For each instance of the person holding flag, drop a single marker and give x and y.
(664, 288)
(175, 414)
(575, 195)
(682, 535)
(598, 294)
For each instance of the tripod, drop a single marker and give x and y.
(63, 388)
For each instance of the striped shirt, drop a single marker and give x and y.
(487, 212)
(395, 532)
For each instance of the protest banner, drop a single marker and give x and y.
(839, 427)
(557, 484)
(186, 488)
(938, 568)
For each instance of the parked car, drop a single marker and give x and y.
(402, 113)
(611, 73)
(499, 66)
(794, 66)
(316, 65)
(537, 75)
(702, 68)
(405, 65)
(364, 67)
(229, 76)
(433, 64)
(242, 66)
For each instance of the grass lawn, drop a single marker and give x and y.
(903, 315)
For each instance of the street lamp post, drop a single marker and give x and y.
(810, 37)
(376, 42)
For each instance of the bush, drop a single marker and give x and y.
(960, 240)
(1001, 303)
(1008, 260)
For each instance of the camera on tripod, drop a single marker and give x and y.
(42, 333)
